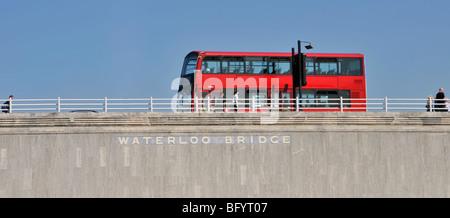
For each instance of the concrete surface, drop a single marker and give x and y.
(328, 154)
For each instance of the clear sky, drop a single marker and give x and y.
(135, 48)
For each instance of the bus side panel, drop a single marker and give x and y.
(322, 82)
(352, 83)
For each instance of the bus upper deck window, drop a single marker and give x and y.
(211, 65)
(190, 64)
(256, 65)
(350, 66)
(326, 66)
(279, 66)
(309, 66)
(233, 65)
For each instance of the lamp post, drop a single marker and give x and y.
(298, 70)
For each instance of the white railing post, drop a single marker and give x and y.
(341, 104)
(195, 104)
(385, 104)
(430, 104)
(10, 105)
(297, 105)
(106, 104)
(151, 104)
(58, 105)
(208, 104)
(253, 104)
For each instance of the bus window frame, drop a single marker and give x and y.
(187, 59)
(361, 66)
(277, 59)
(339, 66)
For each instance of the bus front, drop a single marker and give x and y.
(186, 87)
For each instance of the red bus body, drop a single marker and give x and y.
(208, 75)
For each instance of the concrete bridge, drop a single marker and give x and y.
(328, 154)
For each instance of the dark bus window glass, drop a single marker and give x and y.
(256, 65)
(234, 65)
(308, 98)
(190, 64)
(281, 66)
(326, 66)
(350, 66)
(309, 66)
(211, 65)
(225, 65)
(345, 95)
(325, 98)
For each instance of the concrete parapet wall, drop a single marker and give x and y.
(225, 155)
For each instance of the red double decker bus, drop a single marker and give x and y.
(267, 77)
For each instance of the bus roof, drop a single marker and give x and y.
(274, 54)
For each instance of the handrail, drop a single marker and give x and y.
(222, 105)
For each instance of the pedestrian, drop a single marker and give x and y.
(236, 101)
(429, 103)
(6, 104)
(440, 102)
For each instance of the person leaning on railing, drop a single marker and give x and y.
(5, 106)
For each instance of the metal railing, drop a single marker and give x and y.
(221, 105)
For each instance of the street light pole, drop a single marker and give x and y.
(298, 71)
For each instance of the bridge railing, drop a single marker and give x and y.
(220, 105)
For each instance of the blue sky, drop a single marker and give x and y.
(135, 48)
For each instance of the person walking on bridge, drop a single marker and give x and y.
(5, 106)
(236, 101)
